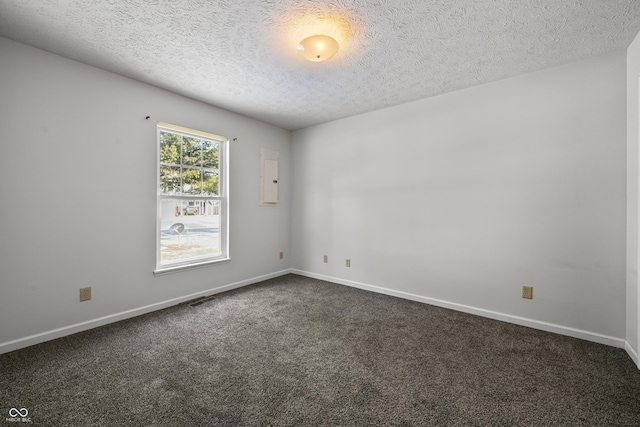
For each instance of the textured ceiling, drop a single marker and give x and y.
(241, 54)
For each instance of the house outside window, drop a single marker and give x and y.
(192, 198)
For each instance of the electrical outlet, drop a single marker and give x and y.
(326, 259)
(281, 255)
(527, 292)
(348, 263)
(85, 294)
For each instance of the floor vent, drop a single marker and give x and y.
(198, 301)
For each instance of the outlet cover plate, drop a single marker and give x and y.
(85, 294)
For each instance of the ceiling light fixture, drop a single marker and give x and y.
(318, 48)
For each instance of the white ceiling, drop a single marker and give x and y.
(241, 54)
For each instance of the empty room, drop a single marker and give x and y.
(329, 212)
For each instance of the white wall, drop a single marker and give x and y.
(463, 198)
(633, 75)
(74, 145)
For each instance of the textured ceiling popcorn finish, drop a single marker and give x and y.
(241, 54)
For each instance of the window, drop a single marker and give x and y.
(192, 198)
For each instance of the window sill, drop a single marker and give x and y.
(178, 268)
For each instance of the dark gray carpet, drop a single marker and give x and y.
(295, 351)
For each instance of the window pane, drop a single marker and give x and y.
(170, 148)
(190, 229)
(210, 154)
(191, 151)
(210, 184)
(169, 179)
(192, 181)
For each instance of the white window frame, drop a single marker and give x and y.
(222, 197)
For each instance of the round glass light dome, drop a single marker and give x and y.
(318, 48)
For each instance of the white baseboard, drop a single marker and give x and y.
(632, 353)
(535, 324)
(94, 323)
